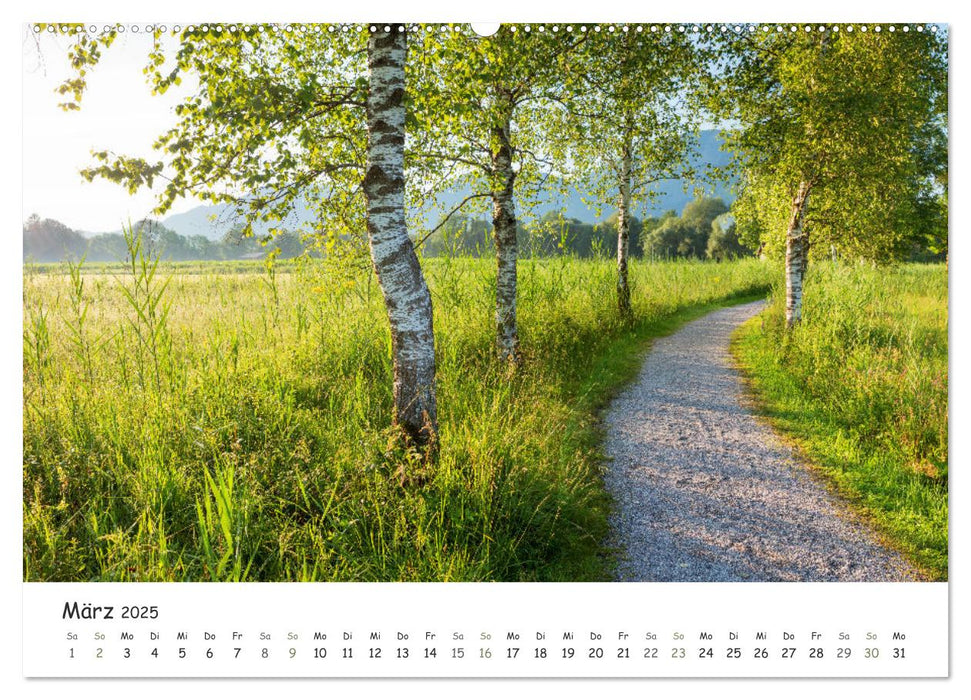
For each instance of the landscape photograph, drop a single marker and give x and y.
(523, 302)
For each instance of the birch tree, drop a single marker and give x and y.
(631, 125)
(405, 292)
(485, 106)
(307, 116)
(831, 124)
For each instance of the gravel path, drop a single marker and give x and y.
(705, 492)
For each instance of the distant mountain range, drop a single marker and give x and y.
(213, 222)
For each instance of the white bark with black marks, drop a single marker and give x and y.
(623, 226)
(406, 294)
(504, 230)
(797, 255)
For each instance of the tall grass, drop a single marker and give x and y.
(862, 386)
(213, 423)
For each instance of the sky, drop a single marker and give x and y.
(118, 113)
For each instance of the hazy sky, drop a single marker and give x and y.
(118, 113)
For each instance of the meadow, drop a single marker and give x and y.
(200, 422)
(861, 387)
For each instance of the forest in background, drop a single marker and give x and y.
(705, 230)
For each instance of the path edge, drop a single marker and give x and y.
(843, 501)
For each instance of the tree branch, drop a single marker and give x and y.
(453, 159)
(441, 223)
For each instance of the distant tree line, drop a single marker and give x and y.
(704, 230)
(48, 240)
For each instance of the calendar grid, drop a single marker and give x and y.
(485, 630)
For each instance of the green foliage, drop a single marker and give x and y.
(723, 243)
(462, 89)
(261, 449)
(551, 235)
(461, 236)
(860, 117)
(701, 212)
(685, 236)
(278, 116)
(630, 93)
(862, 385)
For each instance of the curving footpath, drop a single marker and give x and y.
(704, 491)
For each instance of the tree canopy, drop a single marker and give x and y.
(860, 117)
(277, 118)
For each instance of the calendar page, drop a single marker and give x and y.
(517, 350)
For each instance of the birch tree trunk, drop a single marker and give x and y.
(504, 230)
(797, 255)
(406, 295)
(623, 229)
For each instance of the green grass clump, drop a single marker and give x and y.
(861, 384)
(220, 423)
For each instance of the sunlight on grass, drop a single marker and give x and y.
(862, 385)
(221, 423)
